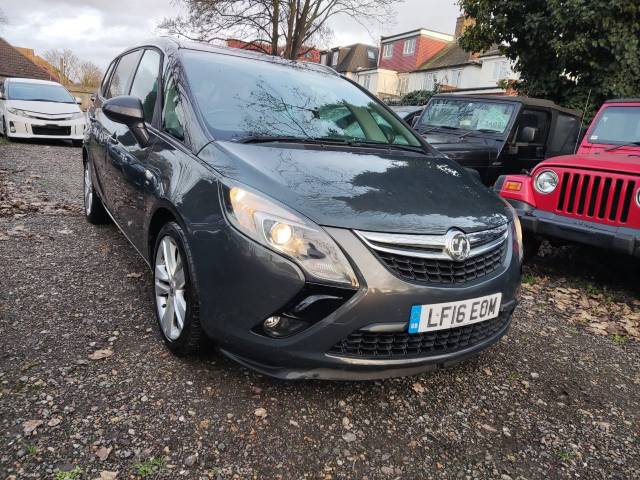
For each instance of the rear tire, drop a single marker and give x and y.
(531, 246)
(77, 143)
(94, 210)
(175, 293)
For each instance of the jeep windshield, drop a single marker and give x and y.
(468, 115)
(617, 126)
(287, 102)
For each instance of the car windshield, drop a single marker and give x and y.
(240, 98)
(469, 115)
(39, 92)
(617, 125)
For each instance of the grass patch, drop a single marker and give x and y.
(566, 456)
(4, 141)
(619, 339)
(32, 450)
(74, 474)
(528, 278)
(149, 467)
(513, 376)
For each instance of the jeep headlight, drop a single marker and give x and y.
(288, 233)
(546, 181)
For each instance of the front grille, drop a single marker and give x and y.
(596, 196)
(50, 130)
(370, 345)
(439, 271)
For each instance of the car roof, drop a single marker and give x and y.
(529, 101)
(623, 100)
(173, 44)
(31, 80)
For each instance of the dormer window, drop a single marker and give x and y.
(334, 58)
(409, 47)
(387, 50)
(371, 54)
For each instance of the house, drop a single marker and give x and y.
(15, 64)
(350, 59)
(308, 54)
(400, 55)
(458, 71)
(41, 62)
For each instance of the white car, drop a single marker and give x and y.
(39, 109)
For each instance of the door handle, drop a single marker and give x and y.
(113, 139)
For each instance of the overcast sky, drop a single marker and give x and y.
(97, 30)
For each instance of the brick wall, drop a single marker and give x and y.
(426, 48)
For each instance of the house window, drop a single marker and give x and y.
(371, 54)
(403, 85)
(455, 78)
(366, 81)
(428, 82)
(323, 59)
(500, 70)
(387, 50)
(409, 47)
(334, 58)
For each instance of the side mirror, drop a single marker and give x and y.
(78, 100)
(128, 111)
(527, 134)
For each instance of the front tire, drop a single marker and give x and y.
(94, 211)
(76, 143)
(175, 293)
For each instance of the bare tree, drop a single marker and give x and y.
(89, 74)
(277, 27)
(65, 63)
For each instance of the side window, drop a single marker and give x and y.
(172, 114)
(537, 119)
(565, 135)
(145, 83)
(105, 80)
(122, 75)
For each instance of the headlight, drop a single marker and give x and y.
(546, 181)
(288, 233)
(76, 115)
(20, 113)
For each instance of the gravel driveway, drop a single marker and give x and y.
(87, 389)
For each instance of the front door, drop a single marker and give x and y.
(528, 147)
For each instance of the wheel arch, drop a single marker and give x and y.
(163, 214)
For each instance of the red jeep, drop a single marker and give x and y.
(591, 197)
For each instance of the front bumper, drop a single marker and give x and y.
(547, 224)
(233, 308)
(23, 127)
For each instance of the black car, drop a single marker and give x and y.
(292, 219)
(498, 135)
(409, 113)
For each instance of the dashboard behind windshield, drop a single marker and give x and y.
(39, 92)
(471, 115)
(617, 126)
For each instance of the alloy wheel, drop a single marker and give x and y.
(88, 189)
(170, 286)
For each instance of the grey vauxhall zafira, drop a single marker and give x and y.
(292, 219)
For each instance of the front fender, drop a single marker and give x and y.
(516, 187)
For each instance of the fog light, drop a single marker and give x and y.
(12, 127)
(280, 326)
(271, 323)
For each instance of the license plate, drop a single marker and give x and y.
(442, 316)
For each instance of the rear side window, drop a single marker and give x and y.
(565, 135)
(145, 83)
(122, 76)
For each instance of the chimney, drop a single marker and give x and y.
(462, 22)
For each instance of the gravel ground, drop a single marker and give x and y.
(551, 400)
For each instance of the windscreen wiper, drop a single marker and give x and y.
(328, 141)
(478, 130)
(630, 144)
(386, 146)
